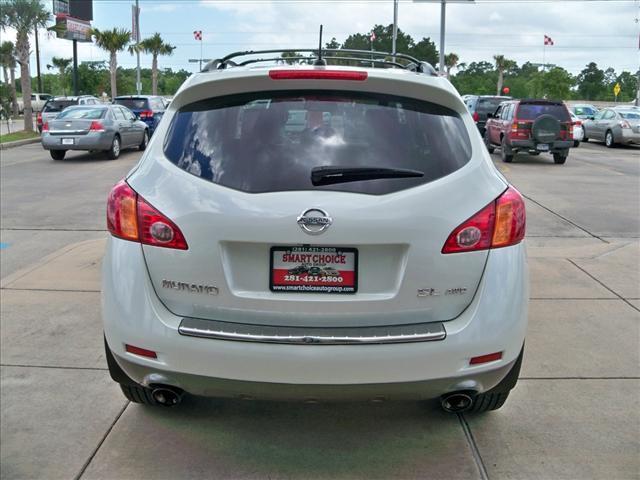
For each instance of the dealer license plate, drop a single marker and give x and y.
(68, 141)
(314, 269)
(543, 147)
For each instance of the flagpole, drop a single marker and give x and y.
(200, 52)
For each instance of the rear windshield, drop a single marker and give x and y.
(271, 141)
(86, 113)
(489, 105)
(585, 111)
(58, 105)
(630, 115)
(133, 103)
(531, 111)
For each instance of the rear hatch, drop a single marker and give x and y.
(487, 105)
(236, 174)
(76, 120)
(530, 110)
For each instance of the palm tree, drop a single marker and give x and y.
(24, 16)
(113, 41)
(8, 63)
(451, 61)
(155, 46)
(61, 64)
(502, 64)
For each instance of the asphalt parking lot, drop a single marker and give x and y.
(573, 415)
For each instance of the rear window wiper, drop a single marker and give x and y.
(330, 175)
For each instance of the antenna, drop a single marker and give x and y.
(320, 61)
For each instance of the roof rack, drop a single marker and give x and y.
(365, 57)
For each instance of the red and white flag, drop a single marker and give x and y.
(197, 34)
(548, 40)
(372, 37)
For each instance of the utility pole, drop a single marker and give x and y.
(395, 29)
(38, 62)
(443, 8)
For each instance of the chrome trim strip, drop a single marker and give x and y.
(242, 332)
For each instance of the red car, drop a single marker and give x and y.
(533, 126)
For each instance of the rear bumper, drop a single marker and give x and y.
(628, 136)
(531, 145)
(90, 141)
(495, 321)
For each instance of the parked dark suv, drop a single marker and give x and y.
(482, 105)
(148, 108)
(532, 126)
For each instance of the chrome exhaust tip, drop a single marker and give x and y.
(456, 402)
(167, 396)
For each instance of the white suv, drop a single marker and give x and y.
(316, 232)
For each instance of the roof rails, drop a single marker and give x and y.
(365, 57)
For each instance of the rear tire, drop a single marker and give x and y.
(114, 151)
(145, 140)
(487, 142)
(486, 402)
(138, 394)
(505, 152)
(608, 139)
(559, 158)
(576, 144)
(57, 154)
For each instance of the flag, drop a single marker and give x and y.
(372, 37)
(548, 40)
(197, 34)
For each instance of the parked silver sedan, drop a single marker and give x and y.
(617, 125)
(107, 128)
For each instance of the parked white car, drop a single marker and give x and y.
(212, 279)
(578, 129)
(37, 102)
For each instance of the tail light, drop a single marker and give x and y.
(145, 114)
(520, 130)
(318, 75)
(476, 117)
(45, 127)
(577, 123)
(624, 124)
(499, 224)
(96, 127)
(130, 217)
(39, 119)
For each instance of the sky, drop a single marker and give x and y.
(606, 32)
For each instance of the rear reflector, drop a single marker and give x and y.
(499, 224)
(143, 352)
(491, 357)
(318, 75)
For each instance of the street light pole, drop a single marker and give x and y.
(443, 9)
(138, 80)
(395, 29)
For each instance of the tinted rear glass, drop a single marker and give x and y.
(488, 105)
(133, 103)
(531, 111)
(585, 111)
(86, 113)
(630, 115)
(58, 105)
(271, 141)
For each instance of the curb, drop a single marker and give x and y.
(19, 143)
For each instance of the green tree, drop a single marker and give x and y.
(333, 43)
(61, 64)
(24, 16)
(553, 84)
(113, 41)
(628, 86)
(155, 46)
(8, 62)
(591, 82)
(290, 58)
(451, 61)
(502, 65)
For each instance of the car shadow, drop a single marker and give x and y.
(264, 439)
(95, 156)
